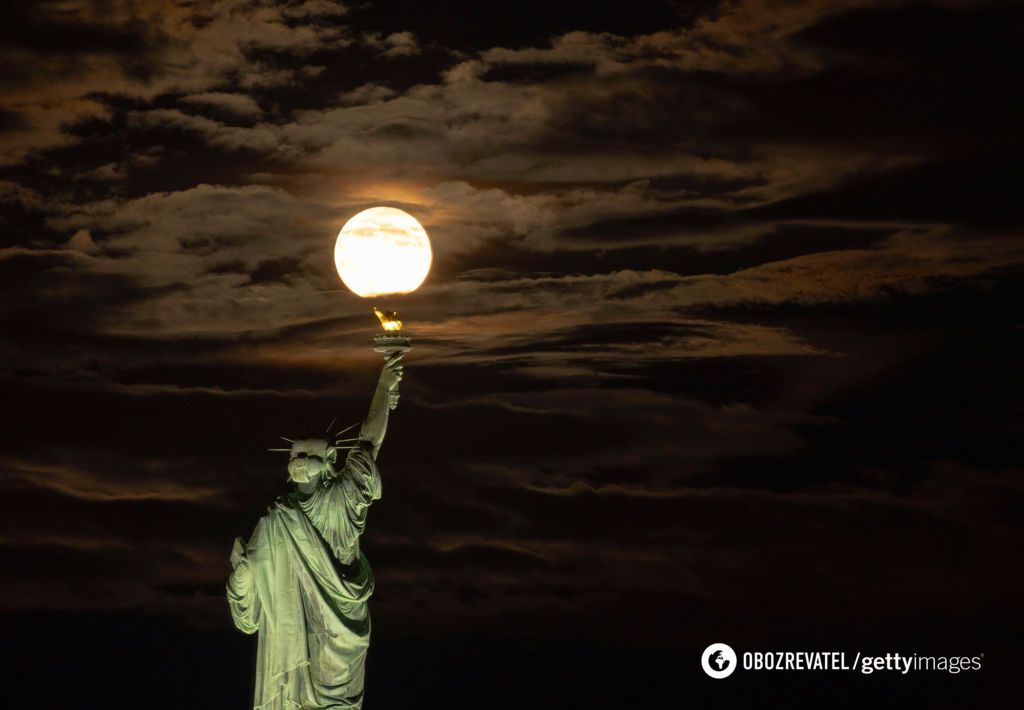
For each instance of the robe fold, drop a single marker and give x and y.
(303, 583)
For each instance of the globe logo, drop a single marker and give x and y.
(718, 660)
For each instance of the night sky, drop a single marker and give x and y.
(722, 340)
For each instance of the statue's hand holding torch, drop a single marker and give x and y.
(391, 375)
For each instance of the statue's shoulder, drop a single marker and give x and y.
(282, 506)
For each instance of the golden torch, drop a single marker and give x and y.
(391, 342)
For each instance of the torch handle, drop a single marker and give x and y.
(393, 394)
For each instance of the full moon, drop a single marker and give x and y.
(382, 250)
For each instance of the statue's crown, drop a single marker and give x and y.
(325, 446)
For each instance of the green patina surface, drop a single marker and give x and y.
(302, 582)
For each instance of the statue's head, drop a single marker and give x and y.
(310, 458)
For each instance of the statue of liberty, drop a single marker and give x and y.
(301, 580)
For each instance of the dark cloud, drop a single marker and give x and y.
(782, 242)
(532, 73)
(467, 26)
(31, 26)
(11, 120)
(274, 270)
(975, 192)
(951, 39)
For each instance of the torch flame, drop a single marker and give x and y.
(388, 319)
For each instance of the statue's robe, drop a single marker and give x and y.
(303, 584)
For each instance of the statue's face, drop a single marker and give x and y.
(309, 459)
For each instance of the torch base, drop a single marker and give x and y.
(391, 343)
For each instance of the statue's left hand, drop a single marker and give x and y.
(237, 552)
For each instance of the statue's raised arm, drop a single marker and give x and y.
(376, 422)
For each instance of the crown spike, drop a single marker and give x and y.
(342, 431)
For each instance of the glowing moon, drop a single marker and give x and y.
(382, 250)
